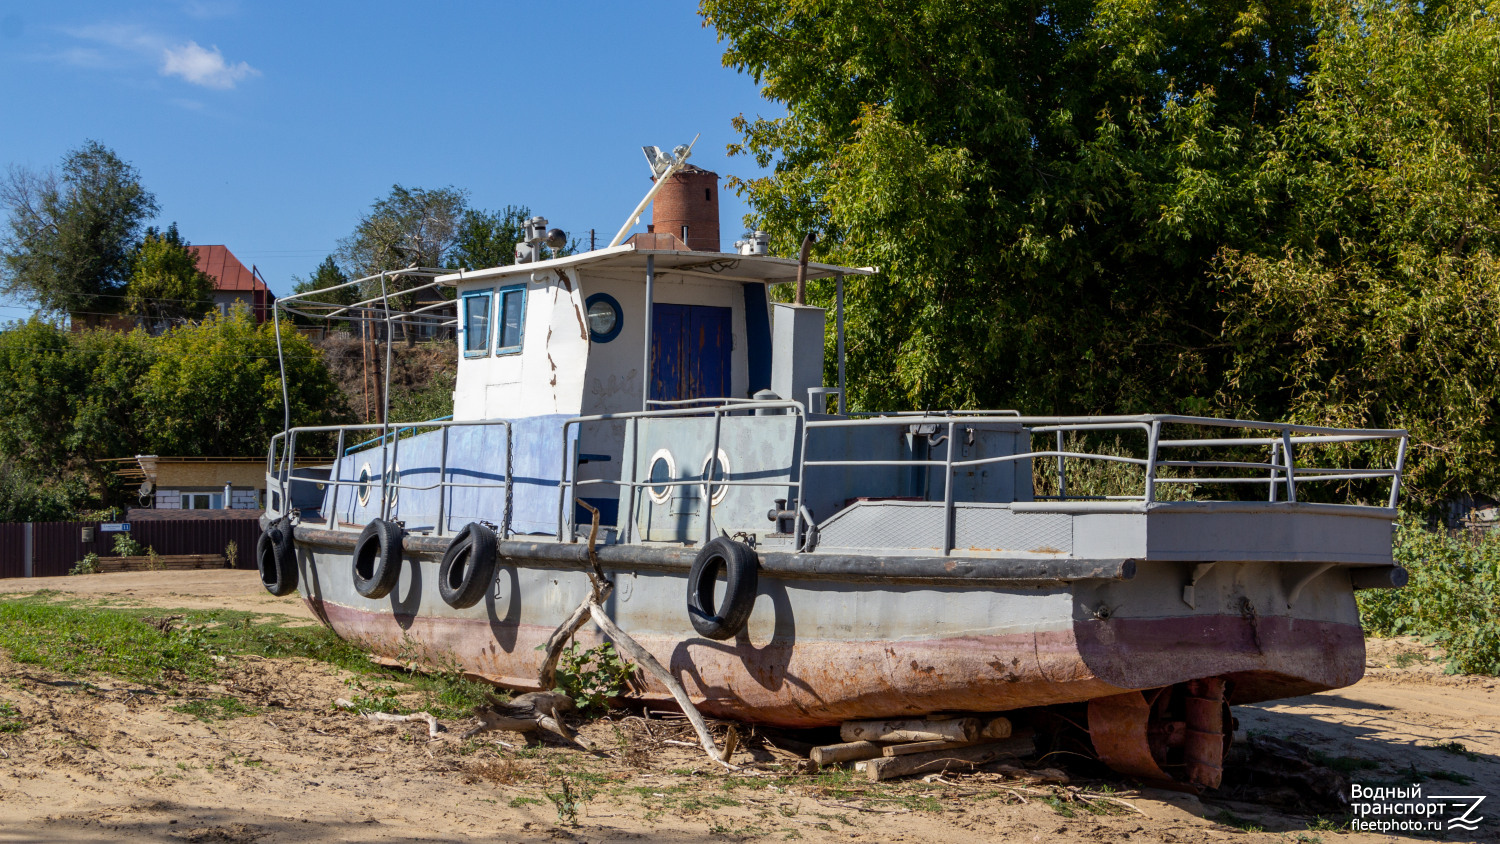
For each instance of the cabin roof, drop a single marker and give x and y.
(725, 266)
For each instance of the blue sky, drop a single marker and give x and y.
(270, 126)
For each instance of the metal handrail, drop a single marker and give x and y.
(569, 482)
(389, 464)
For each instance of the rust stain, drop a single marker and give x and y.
(1046, 549)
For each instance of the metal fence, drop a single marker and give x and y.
(56, 546)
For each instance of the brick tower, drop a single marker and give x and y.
(689, 201)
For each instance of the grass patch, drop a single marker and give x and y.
(216, 709)
(1228, 818)
(521, 802)
(1452, 597)
(1457, 748)
(1344, 764)
(10, 719)
(77, 639)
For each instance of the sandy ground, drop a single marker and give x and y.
(105, 760)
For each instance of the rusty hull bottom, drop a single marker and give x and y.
(822, 683)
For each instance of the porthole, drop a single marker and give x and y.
(663, 469)
(605, 317)
(364, 485)
(720, 469)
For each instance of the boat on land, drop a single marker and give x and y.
(796, 563)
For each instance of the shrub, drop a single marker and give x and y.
(593, 677)
(1452, 598)
(231, 554)
(88, 565)
(125, 546)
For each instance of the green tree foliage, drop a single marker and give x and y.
(1042, 185)
(70, 400)
(71, 234)
(488, 238)
(166, 286)
(328, 274)
(234, 361)
(409, 227)
(1377, 300)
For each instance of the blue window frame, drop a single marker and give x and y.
(476, 328)
(511, 318)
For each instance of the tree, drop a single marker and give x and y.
(326, 275)
(71, 235)
(1377, 300)
(1043, 186)
(489, 238)
(410, 227)
(166, 285)
(233, 360)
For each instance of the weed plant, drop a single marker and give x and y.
(1451, 600)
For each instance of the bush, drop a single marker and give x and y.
(125, 546)
(593, 677)
(1451, 600)
(88, 565)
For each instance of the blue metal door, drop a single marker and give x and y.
(690, 348)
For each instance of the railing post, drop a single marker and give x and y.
(1400, 467)
(1152, 436)
(708, 487)
(1291, 479)
(1062, 471)
(289, 468)
(442, 490)
(562, 483)
(338, 475)
(1275, 449)
(801, 460)
(948, 494)
(627, 521)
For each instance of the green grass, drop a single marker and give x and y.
(10, 719)
(1457, 748)
(1344, 764)
(1228, 818)
(79, 639)
(216, 709)
(521, 802)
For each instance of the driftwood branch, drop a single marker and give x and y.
(592, 608)
(432, 723)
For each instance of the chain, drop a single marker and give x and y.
(510, 482)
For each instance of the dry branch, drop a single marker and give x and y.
(592, 608)
(432, 723)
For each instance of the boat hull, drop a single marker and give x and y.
(819, 650)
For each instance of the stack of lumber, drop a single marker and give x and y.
(162, 562)
(889, 749)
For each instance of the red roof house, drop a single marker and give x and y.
(234, 282)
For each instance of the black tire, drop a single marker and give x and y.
(741, 570)
(277, 559)
(468, 566)
(377, 559)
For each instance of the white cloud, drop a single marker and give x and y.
(203, 67)
(125, 36)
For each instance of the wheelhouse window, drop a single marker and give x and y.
(512, 319)
(477, 324)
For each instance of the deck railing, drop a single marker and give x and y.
(682, 409)
(1280, 468)
(1279, 472)
(280, 460)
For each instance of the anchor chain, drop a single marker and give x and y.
(510, 482)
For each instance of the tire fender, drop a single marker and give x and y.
(276, 558)
(377, 559)
(741, 570)
(468, 566)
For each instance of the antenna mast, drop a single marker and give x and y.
(663, 166)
